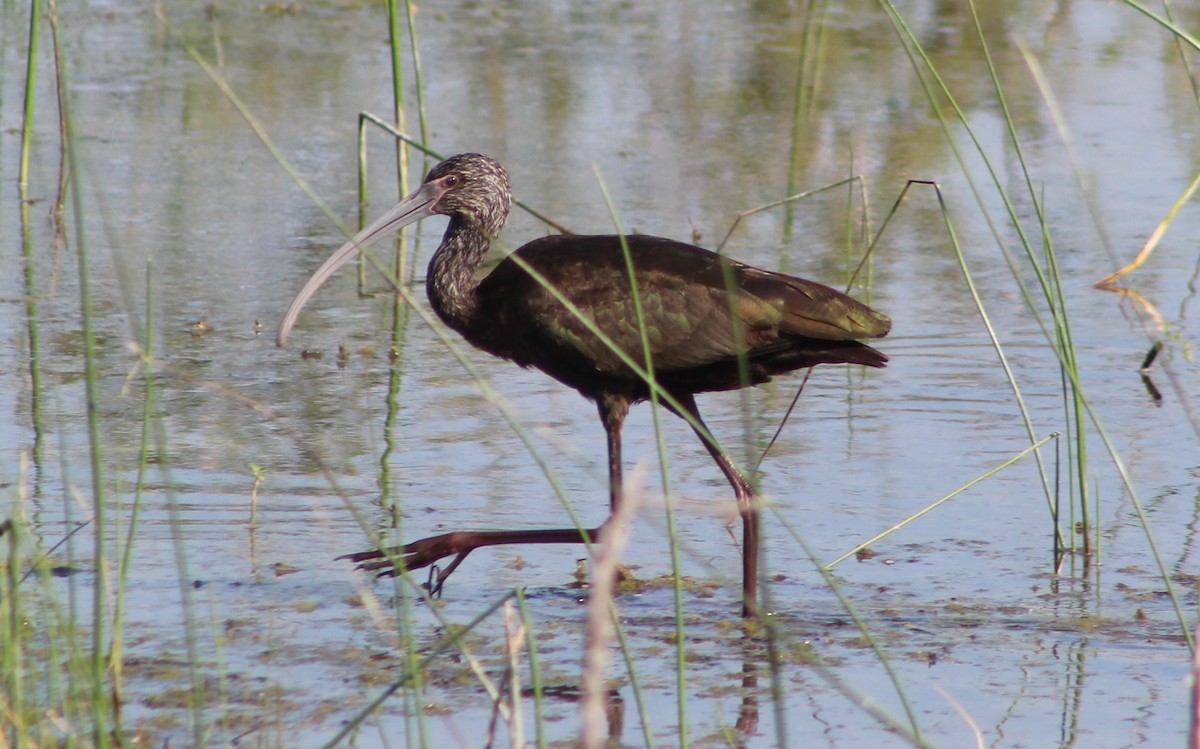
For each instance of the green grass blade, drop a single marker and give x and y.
(939, 502)
(660, 442)
(91, 370)
(450, 640)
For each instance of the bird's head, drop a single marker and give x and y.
(470, 187)
(473, 186)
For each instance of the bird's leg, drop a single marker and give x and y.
(437, 576)
(613, 411)
(459, 544)
(746, 504)
(433, 585)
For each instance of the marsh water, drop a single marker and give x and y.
(688, 113)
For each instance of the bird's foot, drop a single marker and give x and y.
(427, 551)
(433, 586)
(416, 555)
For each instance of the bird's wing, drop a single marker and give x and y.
(698, 307)
(686, 324)
(812, 310)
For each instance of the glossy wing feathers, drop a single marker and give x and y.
(700, 309)
(813, 310)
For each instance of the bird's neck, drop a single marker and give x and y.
(451, 281)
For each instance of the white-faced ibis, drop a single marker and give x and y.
(711, 323)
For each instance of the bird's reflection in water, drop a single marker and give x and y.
(747, 720)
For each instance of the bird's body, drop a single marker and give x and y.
(702, 314)
(710, 324)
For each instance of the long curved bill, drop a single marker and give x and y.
(412, 209)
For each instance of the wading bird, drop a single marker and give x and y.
(710, 324)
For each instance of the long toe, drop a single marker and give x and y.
(362, 556)
(382, 567)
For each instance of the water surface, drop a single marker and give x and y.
(687, 110)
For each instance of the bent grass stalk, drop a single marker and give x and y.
(1000, 355)
(1108, 283)
(934, 505)
(742, 215)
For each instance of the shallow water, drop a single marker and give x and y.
(686, 110)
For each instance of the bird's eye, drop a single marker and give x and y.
(452, 180)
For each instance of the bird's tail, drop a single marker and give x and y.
(808, 352)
